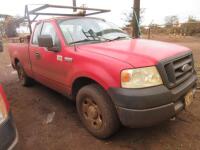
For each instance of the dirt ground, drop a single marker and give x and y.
(33, 107)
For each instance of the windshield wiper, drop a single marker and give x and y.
(118, 38)
(85, 40)
(98, 40)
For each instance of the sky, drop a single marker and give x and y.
(155, 11)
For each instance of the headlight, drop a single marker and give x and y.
(3, 110)
(140, 78)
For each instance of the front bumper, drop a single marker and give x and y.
(150, 106)
(8, 134)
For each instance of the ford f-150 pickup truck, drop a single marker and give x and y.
(113, 78)
(8, 132)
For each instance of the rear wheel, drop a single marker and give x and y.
(23, 78)
(97, 111)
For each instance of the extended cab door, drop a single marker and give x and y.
(34, 49)
(48, 66)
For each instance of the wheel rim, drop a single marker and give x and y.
(92, 113)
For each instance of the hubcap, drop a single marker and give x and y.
(92, 113)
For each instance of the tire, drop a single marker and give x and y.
(96, 111)
(23, 78)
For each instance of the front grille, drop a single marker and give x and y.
(176, 70)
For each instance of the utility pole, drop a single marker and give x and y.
(136, 18)
(74, 5)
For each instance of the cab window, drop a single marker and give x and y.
(36, 33)
(48, 29)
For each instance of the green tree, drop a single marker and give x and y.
(128, 17)
(192, 19)
(191, 27)
(170, 21)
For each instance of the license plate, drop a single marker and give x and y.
(189, 99)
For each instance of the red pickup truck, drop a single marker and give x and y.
(113, 78)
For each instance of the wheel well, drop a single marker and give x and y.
(14, 64)
(79, 83)
(16, 61)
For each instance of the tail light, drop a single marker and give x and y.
(4, 107)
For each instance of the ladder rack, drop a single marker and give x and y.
(37, 12)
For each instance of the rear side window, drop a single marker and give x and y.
(48, 29)
(36, 33)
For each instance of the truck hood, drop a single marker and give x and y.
(136, 52)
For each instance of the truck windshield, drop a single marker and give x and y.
(89, 30)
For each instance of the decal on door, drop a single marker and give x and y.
(59, 58)
(68, 59)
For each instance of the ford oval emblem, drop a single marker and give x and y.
(185, 67)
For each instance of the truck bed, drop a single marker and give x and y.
(20, 39)
(18, 47)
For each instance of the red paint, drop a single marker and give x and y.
(102, 62)
(2, 93)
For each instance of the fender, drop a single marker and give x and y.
(96, 67)
(96, 77)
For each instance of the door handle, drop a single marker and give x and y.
(37, 55)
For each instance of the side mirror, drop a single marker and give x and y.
(1, 46)
(47, 41)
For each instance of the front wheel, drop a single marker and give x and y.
(97, 111)
(23, 78)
